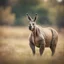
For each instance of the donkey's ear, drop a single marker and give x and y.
(28, 16)
(35, 17)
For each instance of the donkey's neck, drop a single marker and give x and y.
(36, 32)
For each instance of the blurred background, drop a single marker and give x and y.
(14, 44)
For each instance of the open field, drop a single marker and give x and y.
(14, 48)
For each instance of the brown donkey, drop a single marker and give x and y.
(41, 37)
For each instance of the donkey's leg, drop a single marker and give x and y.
(53, 47)
(32, 46)
(42, 47)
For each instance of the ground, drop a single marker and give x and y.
(14, 48)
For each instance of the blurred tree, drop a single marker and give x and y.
(60, 16)
(2, 2)
(56, 12)
(49, 11)
(7, 18)
(32, 7)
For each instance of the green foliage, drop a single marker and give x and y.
(30, 7)
(60, 16)
(49, 13)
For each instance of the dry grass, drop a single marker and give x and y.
(14, 48)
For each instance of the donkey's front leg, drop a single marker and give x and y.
(32, 46)
(42, 47)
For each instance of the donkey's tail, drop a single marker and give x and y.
(52, 37)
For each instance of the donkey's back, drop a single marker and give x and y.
(49, 34)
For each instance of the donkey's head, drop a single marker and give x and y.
(32, 22)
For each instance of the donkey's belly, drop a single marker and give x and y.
(37, 42)
(47, 43)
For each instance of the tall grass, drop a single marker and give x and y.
(14, 48)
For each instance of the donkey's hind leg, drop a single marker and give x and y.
(32, 46)
(53, 46)
(54, 41)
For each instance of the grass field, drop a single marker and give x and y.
(14, 48)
